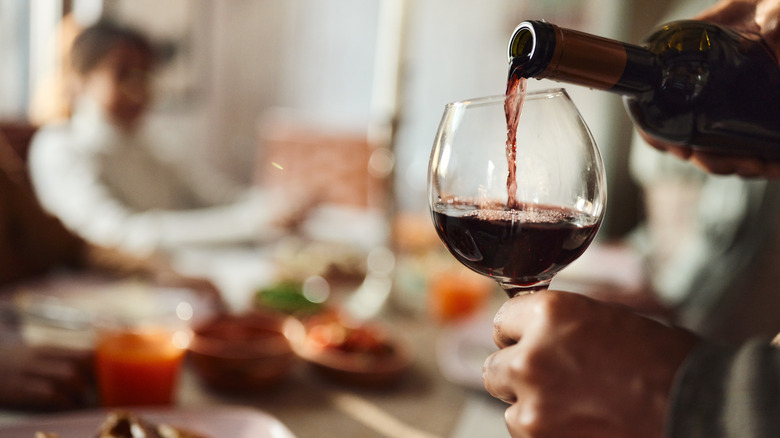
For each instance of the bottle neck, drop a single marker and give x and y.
(542, 50)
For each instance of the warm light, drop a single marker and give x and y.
(381, 163)
(381, 261)
(277, 165)
(181, 339)
(184, 311)
(316, 289)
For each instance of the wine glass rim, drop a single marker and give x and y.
(530, 95)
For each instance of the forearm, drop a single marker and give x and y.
(154, 269)
(117, 263)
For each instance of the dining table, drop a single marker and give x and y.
(422, 404)
(439, 395)
(432, 398)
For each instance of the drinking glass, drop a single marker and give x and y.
(519, 234)
(139, 352)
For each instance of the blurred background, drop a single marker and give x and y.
(382, 69)
(341, 99)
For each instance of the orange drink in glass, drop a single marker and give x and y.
(139, 367)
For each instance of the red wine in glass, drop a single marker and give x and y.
(522, 248)
(523, 230)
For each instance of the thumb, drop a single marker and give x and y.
(768, 19)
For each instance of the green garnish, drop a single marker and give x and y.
(286, 297)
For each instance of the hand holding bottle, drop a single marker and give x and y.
(759, 16)
(571, 367)
(700, 90)
(756, 16)
(717, 163)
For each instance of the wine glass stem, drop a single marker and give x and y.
(514, 290)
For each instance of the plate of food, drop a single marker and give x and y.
(357, 353)
(209, 422)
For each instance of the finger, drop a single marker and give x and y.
(717, 163)
(680, 151)
(739, 15)
(722, 164)
(529, 313)
(772, 170)
(512, 317)
(499, 377)
(522, 422)
(768, 19)
(749, 168)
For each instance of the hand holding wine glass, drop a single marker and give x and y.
(518, 212)
(571, 366)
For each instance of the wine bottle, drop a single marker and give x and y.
(689, 82)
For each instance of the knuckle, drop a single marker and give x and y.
(552, 307)
(527, 366)
(518, 368)
(526, 419)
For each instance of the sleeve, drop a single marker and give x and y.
(68, 185)
(203, 182)
(727, 392)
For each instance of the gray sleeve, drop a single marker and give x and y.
(727, 392)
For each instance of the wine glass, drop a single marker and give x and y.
(521, 228)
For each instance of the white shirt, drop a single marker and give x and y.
(118, 189)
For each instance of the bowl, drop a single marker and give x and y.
(242, 353)
(357, 354)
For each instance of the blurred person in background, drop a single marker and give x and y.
(34, 244)
(571, 366)
(108, 175)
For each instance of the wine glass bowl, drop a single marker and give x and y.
(520, 231)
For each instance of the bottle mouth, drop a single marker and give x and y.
(523, 42)
(531, 47)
